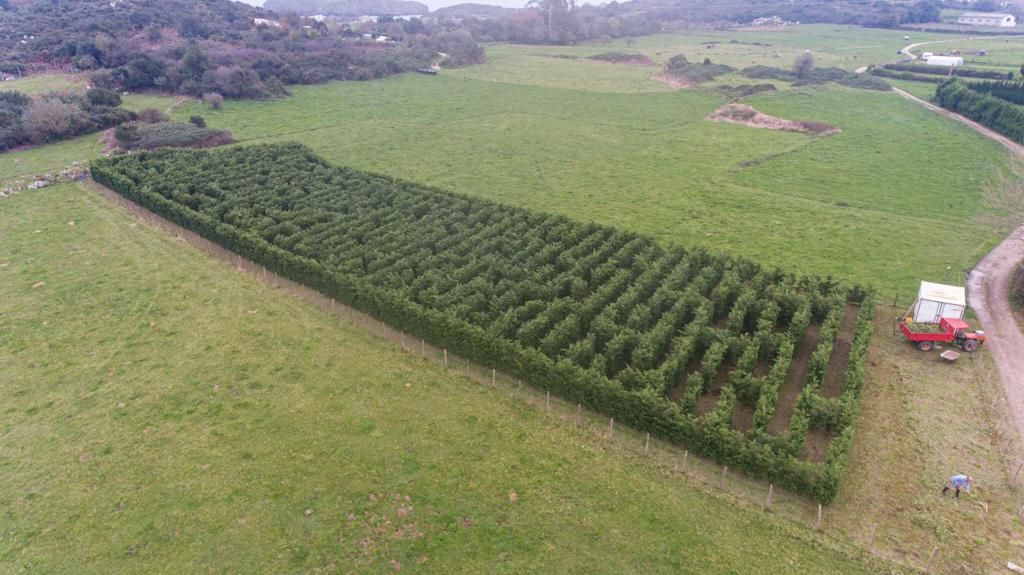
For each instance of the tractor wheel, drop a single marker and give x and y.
(970, 345)
(925, 345)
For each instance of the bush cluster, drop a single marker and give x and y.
(169, 135)
(944, 71)
(1001, 115)
(50, 117)
(598, 316)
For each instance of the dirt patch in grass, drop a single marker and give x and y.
(745, 115)
(816, 445)
(742, 417)
(835, 375)
(675, 82)
(794, 381)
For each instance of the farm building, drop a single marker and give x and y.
(936, 301)
(987, 19)
(945, 61)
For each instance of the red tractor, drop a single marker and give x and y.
(947, 330)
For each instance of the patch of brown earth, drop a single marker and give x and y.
(708, 400)
(816, 445)
(795, 380)
(675, 82)
(742, 417)
(745, 115)
(835, 375)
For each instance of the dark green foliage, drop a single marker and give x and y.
(24, 120)
(815, 76)
(101, 97)
(1000, 115)
(197, 121)
(598, 316)
(679, 66)
(620, 57)
(1012, 92)
(744, 90)
(886, 73)
(946, 71)
(172, 134)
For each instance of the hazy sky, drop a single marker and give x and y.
(435, 4)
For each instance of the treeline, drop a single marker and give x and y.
(50, 117)
(598, 316)
(562, 21)
(987, 109)
(945, 71)
(1010, 91)
(196, 47)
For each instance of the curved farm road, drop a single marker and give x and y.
(988, 287)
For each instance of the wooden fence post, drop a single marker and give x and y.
(446, 357)
(647, 444)
(579, 408)
(771, 490)
(686, 455)
(817, 524)
(547, 401)
(721, 481)
(928, 566)
(494, 376)
(611, 428)
(423, 347)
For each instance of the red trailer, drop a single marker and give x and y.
(947, 330)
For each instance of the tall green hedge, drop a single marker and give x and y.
(598, 316)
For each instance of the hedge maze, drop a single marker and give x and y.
(757, 368)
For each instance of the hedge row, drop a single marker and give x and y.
(929, 70)
(597, 316)
(1002, 116)
(1012, 92)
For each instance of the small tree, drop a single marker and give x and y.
(152, 116)
(48, 118)
(214, 100)
(127, 135)
(197, 121)
(803, 65)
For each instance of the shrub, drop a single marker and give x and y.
(197, 121)
(152, 116)
(50, 118)
(214, 100)
(803, 65)
(178, 135)
(102, 97)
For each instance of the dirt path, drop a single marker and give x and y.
(991, 134)
(988, 287)
(437, 65)
(779, 423)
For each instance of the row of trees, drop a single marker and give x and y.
(600, 316)
(1001, 115)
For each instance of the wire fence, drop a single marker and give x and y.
(710, 477)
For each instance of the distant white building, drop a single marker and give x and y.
(950, 61)
(987, 19)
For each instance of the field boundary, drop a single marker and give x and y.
(806, 519)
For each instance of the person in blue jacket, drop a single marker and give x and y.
(958, 482)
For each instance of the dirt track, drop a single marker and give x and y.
(988, 287)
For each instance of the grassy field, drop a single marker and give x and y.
(164, 413)
(603, 142)
(42, 83)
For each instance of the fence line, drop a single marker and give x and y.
(703, 474)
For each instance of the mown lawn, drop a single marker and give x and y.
(164, 413)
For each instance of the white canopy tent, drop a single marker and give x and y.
(936, 301)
